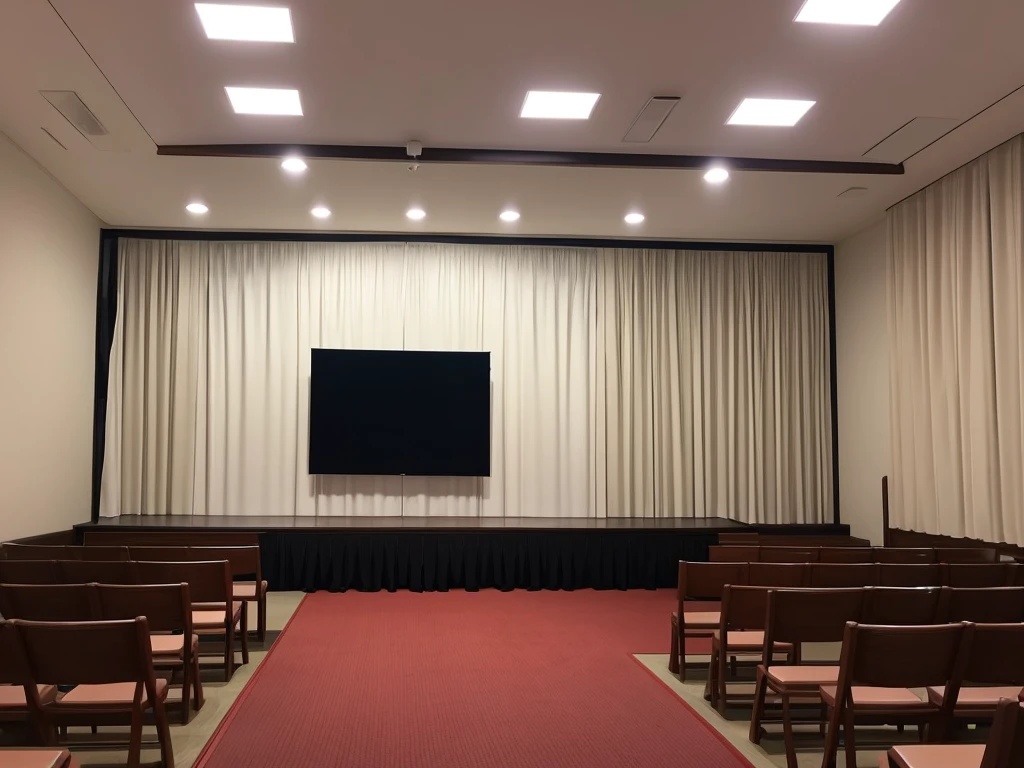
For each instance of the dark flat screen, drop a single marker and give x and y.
(375, 412)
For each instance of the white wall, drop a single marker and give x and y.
(862, 361)
(49, 245)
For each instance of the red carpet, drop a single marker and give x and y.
(525, 679)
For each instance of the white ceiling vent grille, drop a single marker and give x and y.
(74, 110)
(651, 118)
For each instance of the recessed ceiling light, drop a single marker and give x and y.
(559, 105)
(716, 176)
(197, 208)
(634, 218)
(416, 214)
(264, 101)
(246, 22)
(868, 13)
(293, 164)
(775, 112)
(509, 216)
(320, 212)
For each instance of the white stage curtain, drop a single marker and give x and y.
(625, 383)
(956, 298)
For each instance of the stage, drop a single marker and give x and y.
(428, 553)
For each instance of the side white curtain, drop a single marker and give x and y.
(625, 383)
(956, 300)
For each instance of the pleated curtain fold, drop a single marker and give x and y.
(626, 383)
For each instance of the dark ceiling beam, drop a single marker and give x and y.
(530, 157)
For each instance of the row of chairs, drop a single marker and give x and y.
(111, 665)
(880, 661)
(215, 611)
(706, 582)
(752, 553)
(244, 561)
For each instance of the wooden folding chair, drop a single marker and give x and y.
(979, 575)
(1004, 749)
(995, 671)
(846, 555)
(798, 616)
(214, 612)
(29, 572)
(168, 610)
(111, 666)
(879, 666)
(96, 571)
(904, 556)
(15, 681)
(906, 606)
(48, 602)
(248, 583)
(777, 575)
(740, 633)
(699, 581)
(909, 575)
(836, 575)
(990, 605)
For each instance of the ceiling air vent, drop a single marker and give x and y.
(75, 112)
(908, 140)
(650, 119)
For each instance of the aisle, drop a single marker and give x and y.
(468, 679)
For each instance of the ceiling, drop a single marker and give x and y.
(453, 73)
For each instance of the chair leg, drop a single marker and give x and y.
(229, 649)
(245, 633)
(760, 693)
(197, 683)
(787, 733)
(673, 651)
(163, 733)
(135, 739)
(261, 615)
(828, 759)
(722, 688)
(186, 692)
(849, 738)
(711, 685)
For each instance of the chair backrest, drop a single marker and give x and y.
(979, 575)
(966, 555)
(905, 657)
(918, 556)
(989, 605)
(29, 572)
(101, 571)
(777, 575)
(842, 574)
(789, 554)
(48, 602)
(903, 575)
(63, 552)
(167, 607)
(162, 554)
(243, 561)
(1005, 747)
(744, 608)
(706, 581)
(811, 615)
(13, 664)
(906, 606)
(86, 653)
(734, 554)
(208, 581)
(846, 555)
(997, 655)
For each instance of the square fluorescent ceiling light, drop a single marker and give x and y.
(559, 105)
(866, 13)
(246, 22)
(264, 101)
(777, 112)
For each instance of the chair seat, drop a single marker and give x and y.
(34, 758)
(869, 697)
(246, 590)
(748, 640)
(109, 694)
(983, 697)
(700, 619)
(936, 756)
(13, 696)
(170, 645)
(803, 675)
(209, 618)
